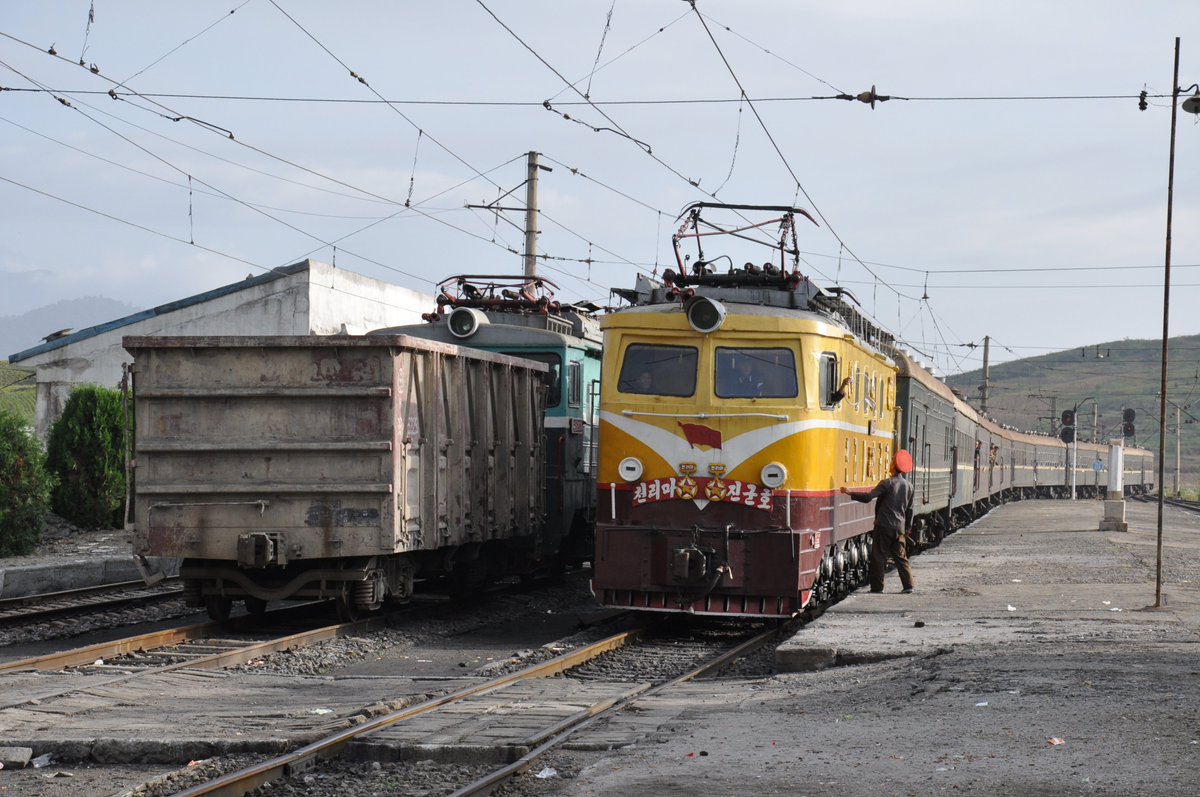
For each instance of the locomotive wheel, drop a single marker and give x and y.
(218, 607)
(257, 607)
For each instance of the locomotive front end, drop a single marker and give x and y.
(718, 449)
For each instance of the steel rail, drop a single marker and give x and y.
(13, 610)
(236, 784)
(103, 650)
(236, 652)
(486, 784)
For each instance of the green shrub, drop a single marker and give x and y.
(87, 453)
(24, 487)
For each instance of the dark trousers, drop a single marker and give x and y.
(888, 543)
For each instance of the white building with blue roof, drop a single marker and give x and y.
(306, 298)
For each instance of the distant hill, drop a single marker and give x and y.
(1031, 393)
(21, 332)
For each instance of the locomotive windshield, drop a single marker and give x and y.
(755, 373)
(658, 370)
(552, 378)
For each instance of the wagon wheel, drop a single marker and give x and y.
(218, 607)
(347, 610)
(257, 607)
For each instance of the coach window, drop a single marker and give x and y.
(658, 370)
(574, 384)
(829, 381)
(755, 373)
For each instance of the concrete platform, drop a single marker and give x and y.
(1026, 571)
(83, 559)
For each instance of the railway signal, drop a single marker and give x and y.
(1067, 432)
(1127, 418)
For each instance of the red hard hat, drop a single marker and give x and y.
(903, 461)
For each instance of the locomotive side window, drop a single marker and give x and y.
(828, 379)
(756, 373)
(574, 384)
(552, 378)
(653, 370)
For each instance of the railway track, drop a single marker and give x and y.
(50, 605)
(542, 712)
(1192, 506)
(197, 647)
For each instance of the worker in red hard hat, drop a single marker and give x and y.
(893, 520)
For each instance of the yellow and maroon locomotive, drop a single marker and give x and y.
(727, 430)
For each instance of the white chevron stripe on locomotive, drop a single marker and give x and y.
(734, 451)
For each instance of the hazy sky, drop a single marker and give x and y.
(1011, 178)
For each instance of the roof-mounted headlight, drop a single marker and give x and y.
(464, 322)
(705, 315)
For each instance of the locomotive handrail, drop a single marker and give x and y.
(633, 413)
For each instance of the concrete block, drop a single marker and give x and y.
(1114, 516)
(804, 659)
(15, 757)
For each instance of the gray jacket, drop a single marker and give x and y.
(893, 503)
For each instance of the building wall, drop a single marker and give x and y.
(362, 304)
(309, 298)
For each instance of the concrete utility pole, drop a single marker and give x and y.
(531, 215)
(1177, 457)
(531, 212)
(1095, 420)
(983, 389)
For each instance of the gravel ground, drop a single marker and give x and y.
(63, 541)
(439, 639)
(71, 626)
(1094, 705)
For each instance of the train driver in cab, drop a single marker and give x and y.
(840, 393)
(641, 382)
(746, 381)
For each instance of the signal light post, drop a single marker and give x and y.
(1127, 418)
(1068, 435)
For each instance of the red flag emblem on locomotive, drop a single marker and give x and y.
(698, 435)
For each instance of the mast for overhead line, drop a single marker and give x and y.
(983, 389)
(531, 215)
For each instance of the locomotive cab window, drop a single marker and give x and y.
(654, 370)
(755, 373)
(552, 378)
(829, 381)
(574, 384)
